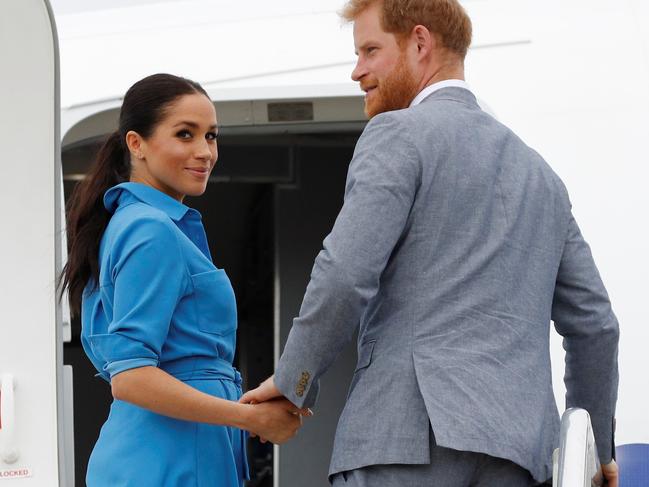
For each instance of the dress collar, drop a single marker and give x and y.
(151, 196)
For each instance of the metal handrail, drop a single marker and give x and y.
(8, 450)
(576, 460)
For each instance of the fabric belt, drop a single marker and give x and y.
(211, 368)
(202, 368)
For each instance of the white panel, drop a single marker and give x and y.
(577, 93)
(28, 141)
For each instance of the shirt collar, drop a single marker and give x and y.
(457, 83)
(146, 194)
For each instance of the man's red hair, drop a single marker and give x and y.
(446, 19)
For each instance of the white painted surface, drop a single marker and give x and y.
(578, 93)
(569, 76)
(8, 447)
(27, 248)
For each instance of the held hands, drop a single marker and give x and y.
(266, 391)
(274, 418)
(277, 420)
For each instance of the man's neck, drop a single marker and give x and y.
(430, 89)
(442, 73)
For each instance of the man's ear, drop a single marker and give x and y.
(424, 40)
(135, 143)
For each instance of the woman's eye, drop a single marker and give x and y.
(211, 136)
(184, 134)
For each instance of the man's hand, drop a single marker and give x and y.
(277, 420)
(266, 391)
(611, 474)
(265, 400)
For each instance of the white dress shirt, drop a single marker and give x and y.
(458, 83)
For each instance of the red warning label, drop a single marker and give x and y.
(15, 473)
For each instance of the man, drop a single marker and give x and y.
(455, 247)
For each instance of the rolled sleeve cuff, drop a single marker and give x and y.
(120, 353)
(114, 368)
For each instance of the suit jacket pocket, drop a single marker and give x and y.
(215, 303)
(365, 355)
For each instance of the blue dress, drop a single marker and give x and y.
(161, 302)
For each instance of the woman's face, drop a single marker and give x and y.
(178, 157)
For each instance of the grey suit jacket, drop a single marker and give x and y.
(454, 250)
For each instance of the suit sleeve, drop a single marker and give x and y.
(382, 181)
(582, 314)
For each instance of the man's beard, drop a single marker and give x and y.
(395, 92)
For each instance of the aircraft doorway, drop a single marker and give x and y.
(270, 202)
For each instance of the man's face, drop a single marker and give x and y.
(382, 68)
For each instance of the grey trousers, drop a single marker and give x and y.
(447, 468)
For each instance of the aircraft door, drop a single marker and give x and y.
(31, 448)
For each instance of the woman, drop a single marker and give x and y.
(158, 318)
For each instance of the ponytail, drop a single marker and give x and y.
(87, 217)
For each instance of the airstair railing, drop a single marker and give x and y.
(8, 451)
(576, 463)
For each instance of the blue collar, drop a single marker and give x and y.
(151, 196)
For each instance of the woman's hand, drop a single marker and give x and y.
(277, 420)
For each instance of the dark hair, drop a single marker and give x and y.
(143, 108)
